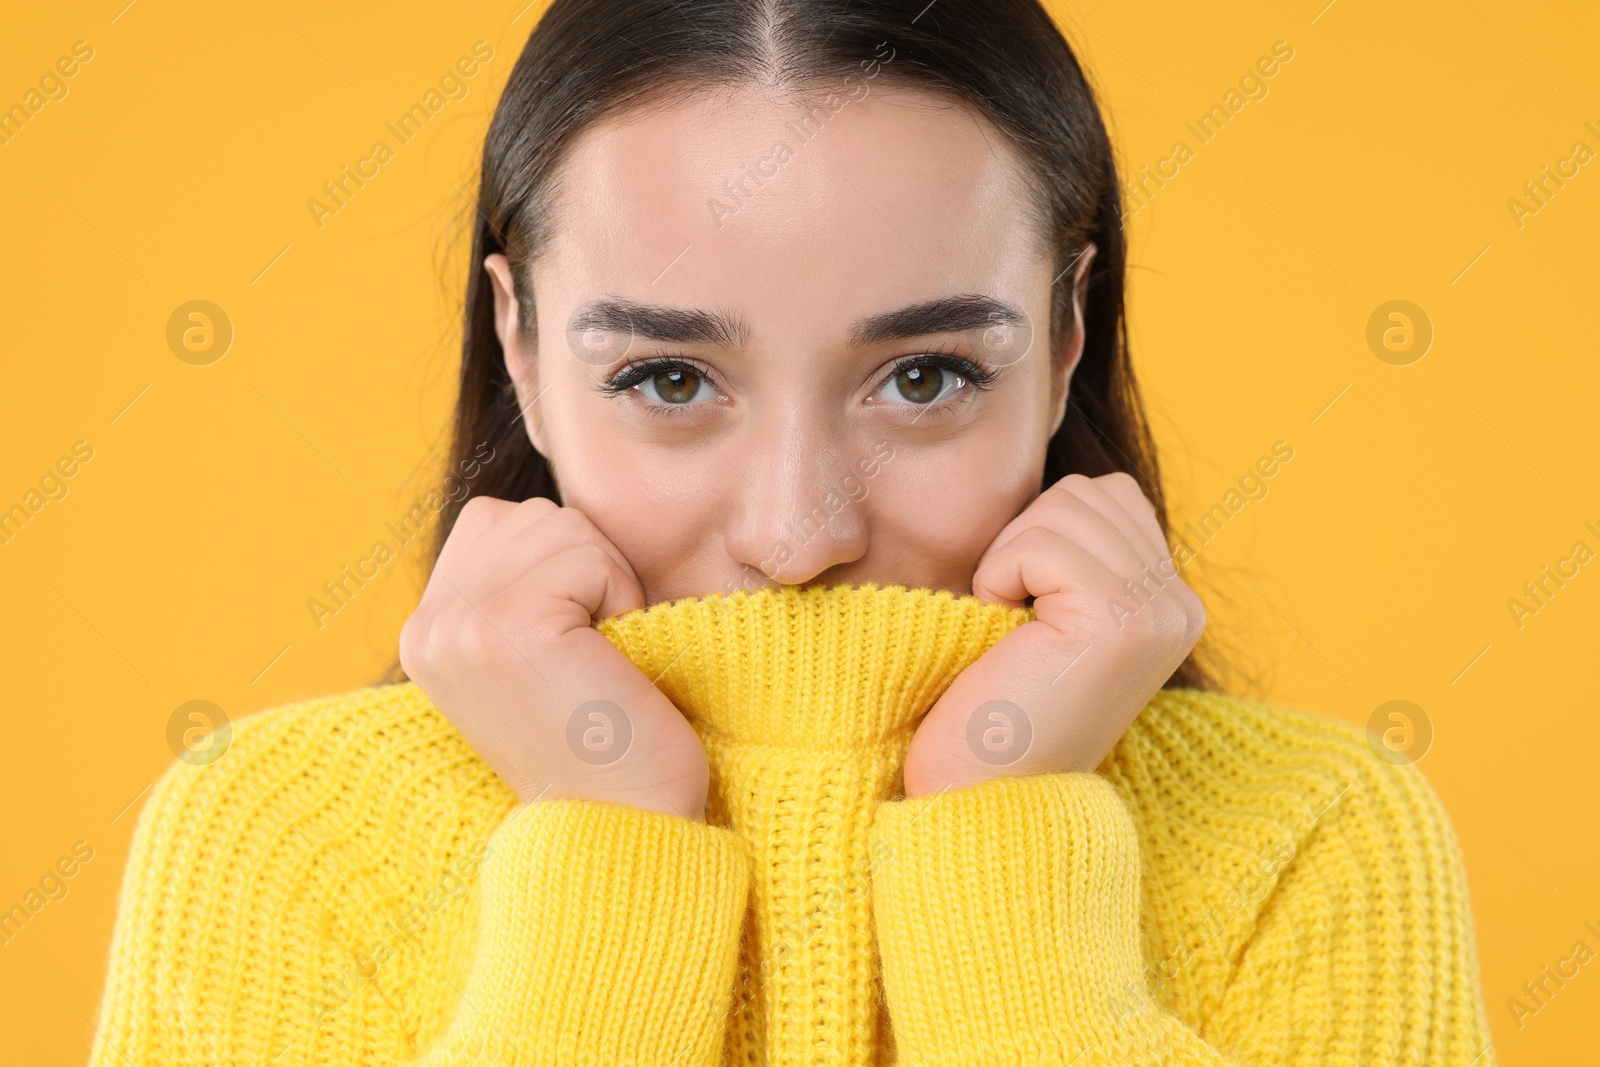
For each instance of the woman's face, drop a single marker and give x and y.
(794, 263)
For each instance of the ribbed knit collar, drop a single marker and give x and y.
(806, 700)
(846, 666)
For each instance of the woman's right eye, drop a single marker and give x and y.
(678, 386)
(664, 384)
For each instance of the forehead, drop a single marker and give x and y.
(827, 207)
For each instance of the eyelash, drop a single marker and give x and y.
(637, 371)
(979, 377)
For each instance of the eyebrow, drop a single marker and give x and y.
(659, 322)
(675, 325)
(946, 314)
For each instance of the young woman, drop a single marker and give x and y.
(806, 677)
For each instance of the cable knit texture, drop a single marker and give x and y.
(1237, 884)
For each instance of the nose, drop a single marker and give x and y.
(798, 505)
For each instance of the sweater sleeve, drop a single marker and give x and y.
(610, 934)
(1008, 918)
(605, 934)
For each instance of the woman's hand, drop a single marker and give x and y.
(503, 645)
(1113, 621)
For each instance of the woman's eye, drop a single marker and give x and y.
(921, 383)
(677, 386)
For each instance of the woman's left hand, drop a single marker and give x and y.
(1113, 621)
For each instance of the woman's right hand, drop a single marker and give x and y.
(503, 644)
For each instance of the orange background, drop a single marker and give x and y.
(219, 498)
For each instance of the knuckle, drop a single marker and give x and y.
(1137, 623)
(1071, 481)
(589, 558)
(414, 643)
(477, 514)
(476, 639)
(1128, 491)
(539, 505)
(1170, 628)
(1125, 479)
(479, 509)
(1197, 617)
(1161, 624)
(1182, 618)
(1036, 537)
(571, 523)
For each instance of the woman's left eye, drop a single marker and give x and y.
(924, 381)
(667, 383)
(677, 386)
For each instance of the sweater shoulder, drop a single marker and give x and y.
(1228, 790)
(371, 792)
(1207, 762)
(1278, 831)
(1232, 750)
(376, 748)
(327, 837)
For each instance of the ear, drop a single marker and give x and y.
(1066, 360)
(522, 359)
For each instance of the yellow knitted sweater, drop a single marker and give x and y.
(1238, 884)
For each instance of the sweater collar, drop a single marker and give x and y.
(844, 666)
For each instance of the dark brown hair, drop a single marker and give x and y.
(1004, 59)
